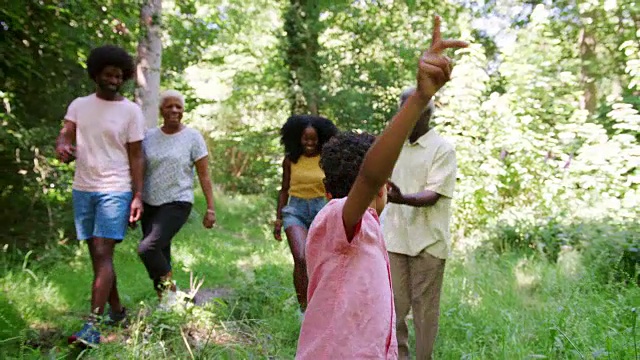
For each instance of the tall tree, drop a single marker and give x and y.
(149, 60)
(302, 27)
(587, 50)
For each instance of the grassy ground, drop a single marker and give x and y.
(494, 307)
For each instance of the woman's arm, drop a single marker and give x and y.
(202, 168)
(283, 197)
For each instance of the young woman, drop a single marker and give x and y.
(302, 189)
(171, 152)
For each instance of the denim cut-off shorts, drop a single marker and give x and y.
(301, 212)
(101, 214)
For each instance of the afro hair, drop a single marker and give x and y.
(341, 159)
(291, 133)
(110, 55)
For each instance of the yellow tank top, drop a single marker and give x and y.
(306, 178)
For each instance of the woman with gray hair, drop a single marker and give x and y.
(171, 153)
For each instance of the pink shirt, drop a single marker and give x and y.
(350, 314)
(103, 129)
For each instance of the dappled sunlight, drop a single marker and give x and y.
(465, 245)
(472, 299)
(205, 329)
(186, 260)
(569, 263)
(527, 275)
(38, 300)
(248, 264)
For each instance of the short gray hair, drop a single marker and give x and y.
(430, 108)
(175, 94)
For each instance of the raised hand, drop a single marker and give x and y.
(434, 69)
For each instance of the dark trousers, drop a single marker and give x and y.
(159, 225)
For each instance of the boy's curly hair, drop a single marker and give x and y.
(291, 133)
(341, 159)
(110, 55)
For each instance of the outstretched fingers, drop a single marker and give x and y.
(436, 37)
(438, 45)
(453, 44)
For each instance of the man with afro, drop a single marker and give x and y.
(103, 133)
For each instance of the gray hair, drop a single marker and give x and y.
(175, 94)
(430, 108)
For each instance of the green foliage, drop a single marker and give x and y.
(525, 148)
(607, 248)
(44, 46)
(244, 158)
(189, 29)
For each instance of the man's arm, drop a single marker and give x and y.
(67, 133)
(421, 199)
(136, 163)
(136, 154)
(440, 182)
(64, 143)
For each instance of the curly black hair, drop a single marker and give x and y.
(110, 55)
(341, 159)
(291, 133)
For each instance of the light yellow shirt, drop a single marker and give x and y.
(307, 177)
(427, 164)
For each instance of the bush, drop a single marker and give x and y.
(611, 254)
(247, 161)
(546, 237)
(609, 249)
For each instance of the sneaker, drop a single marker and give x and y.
(89, 336)
(116, 318)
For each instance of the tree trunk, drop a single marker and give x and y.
(149, 61)
(302, 27)
(587, 62)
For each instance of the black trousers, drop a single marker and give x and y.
(159, 225)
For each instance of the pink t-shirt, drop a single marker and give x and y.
(103, 129)
(350, 312)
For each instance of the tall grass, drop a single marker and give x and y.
(512, 306)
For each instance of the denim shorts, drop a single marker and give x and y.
(301, 212)
(101, 214)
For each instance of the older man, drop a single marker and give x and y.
(416, 229)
